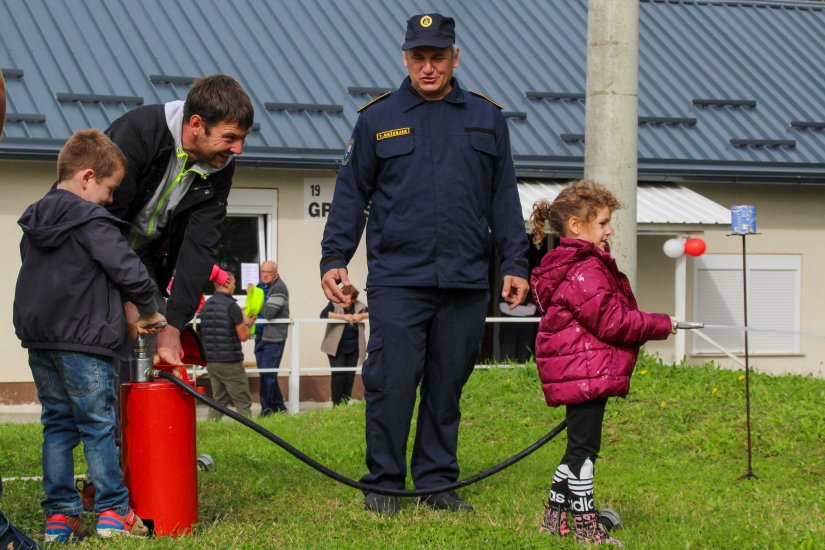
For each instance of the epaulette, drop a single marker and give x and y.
(379, 98)
(482, 96)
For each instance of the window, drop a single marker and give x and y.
(249, 231)
(774, 283)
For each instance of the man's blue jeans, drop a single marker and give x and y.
(77, 393)
(268, 356)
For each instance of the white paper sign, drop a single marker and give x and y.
(249, 274)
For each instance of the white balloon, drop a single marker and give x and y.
(674, 248)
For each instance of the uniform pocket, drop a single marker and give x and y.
(395, 147)
(373, 373)
(483, 143)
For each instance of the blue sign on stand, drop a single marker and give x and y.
(743, 219)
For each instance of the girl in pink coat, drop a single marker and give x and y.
(588, 342)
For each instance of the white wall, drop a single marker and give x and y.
(789, 218)
(22, 183)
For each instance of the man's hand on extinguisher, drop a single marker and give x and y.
(168, 350)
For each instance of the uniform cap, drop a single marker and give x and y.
(431, 29)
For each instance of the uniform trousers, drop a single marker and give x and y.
(427, 337)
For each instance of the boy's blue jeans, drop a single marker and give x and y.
(78, 394)
(4, 523)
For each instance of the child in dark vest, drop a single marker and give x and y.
(222, 329)
(588, 342)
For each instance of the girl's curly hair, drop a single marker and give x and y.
(581, 198)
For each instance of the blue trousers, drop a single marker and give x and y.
(78, 398)
(268, 356)
(4, 523)
(425, 337)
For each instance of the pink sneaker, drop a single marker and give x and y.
(555, 521)
(589, 530)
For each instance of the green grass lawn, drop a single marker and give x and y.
(670, 457)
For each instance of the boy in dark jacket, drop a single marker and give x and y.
(77, 271)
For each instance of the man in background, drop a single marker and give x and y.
(270, 338)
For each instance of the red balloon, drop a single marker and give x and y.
(695, 247)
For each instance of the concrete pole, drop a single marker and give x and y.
(611, 116)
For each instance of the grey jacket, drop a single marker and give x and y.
(276, 306)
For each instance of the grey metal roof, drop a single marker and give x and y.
(660, 207)
(728, 89)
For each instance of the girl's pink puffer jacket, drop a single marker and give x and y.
(591, 328)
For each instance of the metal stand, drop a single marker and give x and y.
(749, 473)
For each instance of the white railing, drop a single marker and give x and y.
(295, 370)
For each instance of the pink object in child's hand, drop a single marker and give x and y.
(218, 275)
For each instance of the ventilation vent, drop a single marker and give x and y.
(12, 73)
(808, 125)
(769, 143)
(98, 98)
(305, 107)
(555, 96)
(744, 103)
(26, 117)
(171, 79)
(667, 120)
(366, 90)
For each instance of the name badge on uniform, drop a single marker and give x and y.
(393, 133)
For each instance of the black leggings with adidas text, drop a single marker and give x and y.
(584, 433)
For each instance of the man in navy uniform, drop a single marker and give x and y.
(433, 163)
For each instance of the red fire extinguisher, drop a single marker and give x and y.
(159, 443)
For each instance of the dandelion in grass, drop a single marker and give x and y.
(663, 404)
(643, 371)
(741, 377)
(714, 390)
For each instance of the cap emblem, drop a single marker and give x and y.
(426, 21)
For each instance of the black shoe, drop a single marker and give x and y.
(447, 501)
(381, 504)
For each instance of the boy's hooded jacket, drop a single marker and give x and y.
(77, 271)
(591, 328)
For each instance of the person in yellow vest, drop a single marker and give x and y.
(345, 344)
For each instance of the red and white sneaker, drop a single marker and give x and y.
(112, 524)
(63, 528)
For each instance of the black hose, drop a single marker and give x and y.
(343, 479)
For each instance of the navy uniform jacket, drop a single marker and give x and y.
(441, 180)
